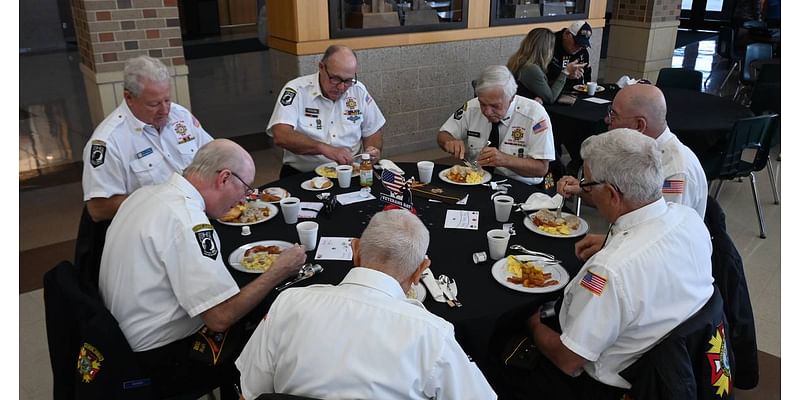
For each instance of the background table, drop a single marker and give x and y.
(486, 303)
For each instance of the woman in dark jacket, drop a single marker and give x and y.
(529, 66)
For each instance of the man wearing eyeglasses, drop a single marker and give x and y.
(643, 108)
(162, 275)
(652, 273)
(326, 116)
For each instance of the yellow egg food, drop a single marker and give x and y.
(556, 230)
(514, 266)
(260, 261)
(474, 177)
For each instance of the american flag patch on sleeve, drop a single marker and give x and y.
(540, 126)
(672, 186)
(593, 283)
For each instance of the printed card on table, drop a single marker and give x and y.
(461, 219)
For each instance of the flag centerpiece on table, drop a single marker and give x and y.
(399, 189)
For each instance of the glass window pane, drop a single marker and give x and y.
(377, 17)
(506, 12)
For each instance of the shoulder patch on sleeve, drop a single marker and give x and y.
(204, 233)
(288, 96)
(673, 186)
(97, 155)
(594, 283)
(195, 121)
(460, 112)
(540, 127)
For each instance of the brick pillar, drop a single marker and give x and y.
(642, 38)
(111, 31)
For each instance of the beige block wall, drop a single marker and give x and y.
(640, 49)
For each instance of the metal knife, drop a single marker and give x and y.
(443, 284)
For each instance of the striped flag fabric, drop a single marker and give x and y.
(672, 186)
(393, 182)
(593, 283)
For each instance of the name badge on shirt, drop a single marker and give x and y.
(144, 153)
(474, 134)
(312, 112)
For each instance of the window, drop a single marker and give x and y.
(511, 12)
(350, 18)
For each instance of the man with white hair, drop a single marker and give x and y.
(144, 141)
(652, 273)
(502, 130)
(363, 339)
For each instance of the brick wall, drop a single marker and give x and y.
(648, 10)
(111, 31)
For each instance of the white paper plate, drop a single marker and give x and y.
(582, 229)
(236, 256)
(584, 89)
(443, 176)
(273, 211)
(419, 292)
(308, 185)
(500, 273)
(275, 191)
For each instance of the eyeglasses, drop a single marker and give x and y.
(336, 81)
(613, 115)
(250, 190)
(586, 186)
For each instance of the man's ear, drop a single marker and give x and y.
(641, 124)
(356, 245)
(422, 267)
(127, 95)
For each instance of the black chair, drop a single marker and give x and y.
(681, 78)
(693, 361)
(89, 247)
(766, 96)
(89, 355)
(726, 49)
(751, 136)
(753, 52)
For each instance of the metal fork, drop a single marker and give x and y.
(306, 271)
(531, 252)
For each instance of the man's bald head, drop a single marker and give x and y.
(217, 155)
(646, 102)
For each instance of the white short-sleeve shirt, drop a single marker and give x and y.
(125, 154)
(684, 178)
(653, 273)
(341, 123)
(162, 265)
(525, 132)
(362, 339)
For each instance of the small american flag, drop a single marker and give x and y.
(672, 186)
(540, 126)
(392, 181)
(593, 283)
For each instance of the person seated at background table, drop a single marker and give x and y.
(162, 275)
(363, 339)
(503, 130)
(529, 65)
(326, 116)
(643, 108)
(652, 273)
(142, 142)
(570, 47)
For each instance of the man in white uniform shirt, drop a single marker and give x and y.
(652, 273)
(143, 142)
(363, 339)
(326, 116)
(501, 129)
(162, 275)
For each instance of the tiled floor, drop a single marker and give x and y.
(54, 126)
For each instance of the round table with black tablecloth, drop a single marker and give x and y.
(486, 304)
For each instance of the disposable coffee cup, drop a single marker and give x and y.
(502, 207)
(425, 171)
(498, 241)
(307, 232)
(591, 88)
(343, 174)
(290, 207)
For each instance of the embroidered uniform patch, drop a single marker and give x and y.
(89, 362)
(540, 127)
(195, 121)
(593, 283)
(97, 155)
(460, 112)
(288, 96)
(717, 356)
(204, 233)
(672, 186)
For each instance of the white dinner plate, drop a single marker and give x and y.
(584, 89)
(276, 191)
(419, 292)
(308, 185)
(443, 176)
(237, 255)
(583, 228)
(320, 170)
(500, 273)
(273, 211)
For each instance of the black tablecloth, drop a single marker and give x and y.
(700, 120)
(485, 301)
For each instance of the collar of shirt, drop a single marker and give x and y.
(190, 192)
(376, 280)
(511, 108)
(664, 137)
(136, 124)
(636, 217)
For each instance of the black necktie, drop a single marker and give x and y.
(494, 140)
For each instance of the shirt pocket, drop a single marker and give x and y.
(148, 169)
(187, 151)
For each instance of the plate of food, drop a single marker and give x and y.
(417, 292)
(249, 213)
(530, 274)
(328, 170)
(273, 195)
(257, 257)
(317, 184)
(545, 222)
(460, 175)
(583, 89)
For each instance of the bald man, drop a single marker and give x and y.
(326, 116)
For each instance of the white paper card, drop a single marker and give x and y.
(352, 197)
(461, 219)
(334, 248)
(597, 100)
